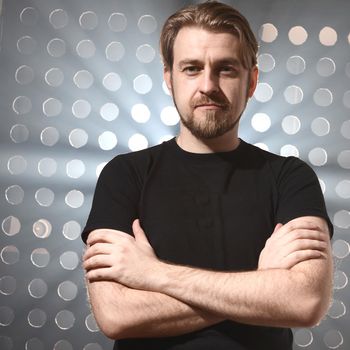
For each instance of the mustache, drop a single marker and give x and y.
(205, 100)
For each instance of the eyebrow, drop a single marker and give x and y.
(229, 61)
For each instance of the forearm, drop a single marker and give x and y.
(273, 297)
(122, 312)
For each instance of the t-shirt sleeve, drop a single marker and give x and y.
(300, 193)
(115, 201)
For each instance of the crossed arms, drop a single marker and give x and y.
(134, 294)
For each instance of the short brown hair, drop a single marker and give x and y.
(215, 17)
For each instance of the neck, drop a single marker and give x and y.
(225, 143)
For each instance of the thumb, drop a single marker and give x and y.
(277, 227)
(139, 233)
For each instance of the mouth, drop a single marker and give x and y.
(210, 106)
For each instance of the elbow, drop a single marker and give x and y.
(313, 312)
(112, 327)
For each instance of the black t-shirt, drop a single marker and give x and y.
(212, 211)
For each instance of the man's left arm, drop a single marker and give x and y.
(281, 297)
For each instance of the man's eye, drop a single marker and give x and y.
(191, 70)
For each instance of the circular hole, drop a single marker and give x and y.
(9, 255)
(37, 288)
(29, 16)
(11, 225)
(145, 53)
(81, 109)
(318, 156)
(147, 24)
(263, 92)
(344, 159)
(345, 129)
(92, 346)
(263, 146)
(115, 51)
(63, 345)
(333, 339)
(7, 285)
(303, 337)
(86, 49)
(67, 290)
(328, 36)
(14, 194)
(54, 77)
(65, 319)
(296, 65)
(58, 18)
(74, 199)
(42, 228)
(340, 279)
(341, 249)
(342, 219)
(26, 45)
(261, 122)
(297, 35)
(24, 75)
(169, 116)
(16, 165)
(143, 84)
(99, 168)
(78, 138)
(19, 133)
(7, 316)
(291, 124)
(289, 151)
(337, 309)
(137, 142)
(47, 167)
(22, 105)
(49, 136)
(325, 67)
(107, 140)
(37, 318)
(52, 107)
(91, 324)
(88, 20)
(56, 48)
(293, 94)
(44, 197)
(320, 126)
(109, 111)
(75, 168)
(165, 89)
(112, 82)
(268, 33)
(71, 230)
(266, 62)
(34, 344)
(323, 186)
(40, 257)
(343, 189)
(83, 79)
(140, 113)
(117, 22)
(323, 97)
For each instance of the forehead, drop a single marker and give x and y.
(198, 43)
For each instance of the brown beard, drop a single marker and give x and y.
(216, 122)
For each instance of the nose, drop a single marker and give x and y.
(209, 82)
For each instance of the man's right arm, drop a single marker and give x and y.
(121, 312)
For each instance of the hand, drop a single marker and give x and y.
(117, 256)
(292, 243)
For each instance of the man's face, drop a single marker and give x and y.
(208, 83)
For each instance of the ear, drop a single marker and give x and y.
(253, 80)
(167, 78)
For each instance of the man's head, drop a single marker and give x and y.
(215, 17)
(209, 55)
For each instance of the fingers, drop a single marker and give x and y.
(302, 255)
(106, 236)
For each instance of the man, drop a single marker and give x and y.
(205, 241)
